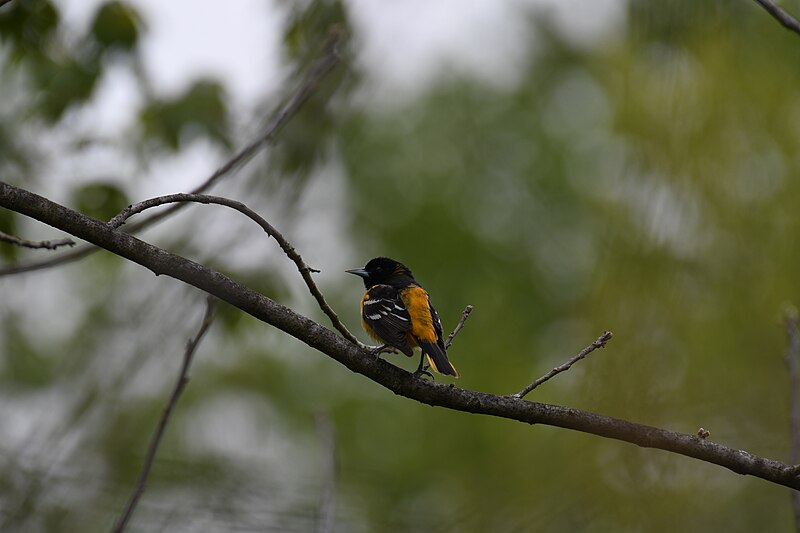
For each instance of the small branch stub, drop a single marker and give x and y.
(599, 343)
(464, 316)
(36, 245)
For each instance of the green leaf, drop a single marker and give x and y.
(64, 84)
(116, 26)
(200, 111)
(29, 26)
(100, 200)
(23, 364)
(309, 27)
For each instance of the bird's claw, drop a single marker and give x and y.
(424, 372)
(378, 350)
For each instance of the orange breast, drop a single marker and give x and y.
(418, 306)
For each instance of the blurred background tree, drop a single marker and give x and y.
(598, 165)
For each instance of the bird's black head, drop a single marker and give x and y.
(384, 271)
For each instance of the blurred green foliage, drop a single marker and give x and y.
(62, 77)
(305, 139)
(116, 26)
(644, 184)
(198, 112)
(100, 200)
(8, 225)
(28, 27)
(24, 365)
(63, 84)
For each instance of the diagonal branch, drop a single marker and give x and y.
(301, 95)
(36, 245)
(599, 343)
(152, 449)
(780, 14)
(391, 377)
(288, 249)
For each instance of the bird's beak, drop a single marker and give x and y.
(358, 272)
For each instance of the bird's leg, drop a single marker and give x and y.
(422, 369)
(383, 348)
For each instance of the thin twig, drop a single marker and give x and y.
(792, 352)
(302, 267)
(37, 245)
(464, 317)
(599, 343)
(300, 96)
(781, 15)
(327, 504)
(155, 441)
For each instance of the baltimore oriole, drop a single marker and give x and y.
(397, 311)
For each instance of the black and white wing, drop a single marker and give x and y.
(437, 326)
(384, 313)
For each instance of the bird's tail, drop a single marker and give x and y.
(437, 358)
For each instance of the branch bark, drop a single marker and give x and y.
(393, 378)
(780, 14)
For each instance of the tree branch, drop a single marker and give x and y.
(792, 353)
(599, 343)
(464, 317)
(152, 449)
(300, 96)
(393, 378)
(780, 14)
(288, 249)
(48, 245)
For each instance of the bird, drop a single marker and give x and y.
(397, 312)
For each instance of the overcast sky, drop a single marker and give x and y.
(401, 43)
